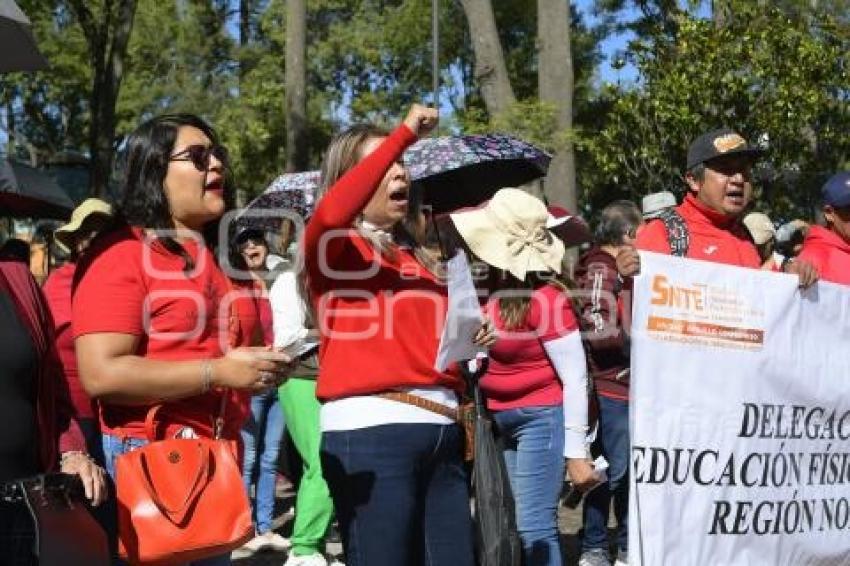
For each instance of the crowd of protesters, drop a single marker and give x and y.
(151, 331)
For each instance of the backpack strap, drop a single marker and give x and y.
(677, 232)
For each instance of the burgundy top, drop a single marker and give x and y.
(58, 430)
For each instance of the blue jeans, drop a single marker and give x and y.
(613, 439)
(401, 495)
(113, 447)
(261, 434)
(534, 455)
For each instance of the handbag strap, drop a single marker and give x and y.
(218, 420)
(150, 422)
(218, 424)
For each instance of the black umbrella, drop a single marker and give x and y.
(496, 537)
(28, 192)
(461, 171)
(18, 50)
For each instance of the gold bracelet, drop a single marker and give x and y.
(206, 376)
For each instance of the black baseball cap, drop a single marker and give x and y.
(719, 143)
(836, 191)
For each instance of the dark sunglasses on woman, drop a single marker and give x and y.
(199, 155)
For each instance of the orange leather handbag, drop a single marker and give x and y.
(181, 499)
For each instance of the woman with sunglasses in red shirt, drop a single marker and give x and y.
(155, 319)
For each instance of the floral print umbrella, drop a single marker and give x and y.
(459, 171)
(288, 195)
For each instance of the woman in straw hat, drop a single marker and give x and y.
(536, 384)
(391, 447)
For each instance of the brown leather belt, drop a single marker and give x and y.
(422, 403)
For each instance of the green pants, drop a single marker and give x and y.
(313, 505)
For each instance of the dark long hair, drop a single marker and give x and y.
(144, 204)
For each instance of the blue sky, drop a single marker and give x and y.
(619, 42)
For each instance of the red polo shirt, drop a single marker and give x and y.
(130, 286)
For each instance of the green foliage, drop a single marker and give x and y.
(370, 59)
(777, 77)
(50, 111)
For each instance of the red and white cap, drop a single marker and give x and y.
(570, 228)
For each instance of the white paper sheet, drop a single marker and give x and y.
(463, 318)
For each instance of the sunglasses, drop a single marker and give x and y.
(200, 154)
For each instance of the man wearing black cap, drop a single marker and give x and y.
(707, 225)
(828, 247)
(719, 189)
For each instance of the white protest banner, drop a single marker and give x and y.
(740, 395)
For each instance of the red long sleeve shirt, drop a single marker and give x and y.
(380, 317)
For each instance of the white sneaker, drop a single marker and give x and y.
(306, 560)
(622, 559)
(274, 541)
(269, 540)
(249, 548)
(594, 557)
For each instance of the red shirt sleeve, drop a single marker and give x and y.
(653, 238)
(110, 291)
(350, 194)
(57, 291)
(551, 313)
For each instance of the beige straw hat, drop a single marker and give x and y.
(84, 215)
(510, 233)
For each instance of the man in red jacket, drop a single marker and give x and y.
(828, 247)
(707, 225)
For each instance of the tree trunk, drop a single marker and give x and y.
(245, 9)
(555, 84)
(107, 41)
(721, 13)
(491, 73)
(296, 86)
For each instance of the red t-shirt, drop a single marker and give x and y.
(520, 374)
(131, 286)
(57, 290)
